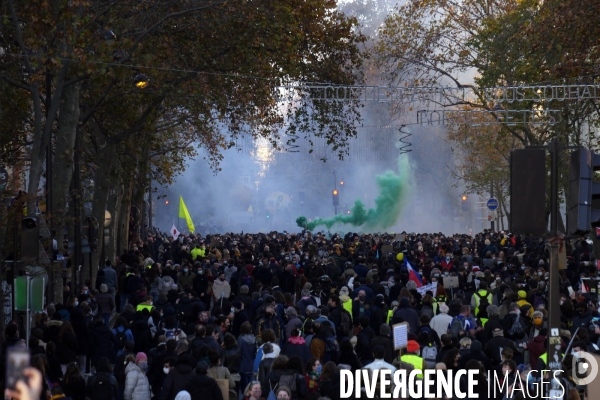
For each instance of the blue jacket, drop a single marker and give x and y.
(128, 333)
(247, 344)
(110, 277)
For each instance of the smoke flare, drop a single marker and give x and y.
(393, 189)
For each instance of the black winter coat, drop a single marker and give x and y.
(103, 344)
(202, 387)
(68, 349)
(177, 379)
(141, 335)
(81, 328)
(75, 389)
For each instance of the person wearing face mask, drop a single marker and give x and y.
(313, 374)
(137, 386)
(537, 324)
(177, 377)
(447, 263)
(229, 268)
(186, 277)
(145, 305)
(221, 287)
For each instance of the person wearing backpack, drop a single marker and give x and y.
(426, 328)
(493, 348)
(341, 318)
(102, 385)
(293, 378)
(482, 298)
(429, 352)
(122, 332)
(514, 325)
(463, 323)
(515, 328)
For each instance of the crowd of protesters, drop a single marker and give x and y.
(279, 315)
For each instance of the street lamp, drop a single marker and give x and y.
(141, 81)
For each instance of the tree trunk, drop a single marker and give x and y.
(63, 171)
(37, 159)
(123, 227)
(114, 208)
(105, 176)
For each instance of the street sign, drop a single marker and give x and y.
(35, 292)
(492, 204)
(3, 178)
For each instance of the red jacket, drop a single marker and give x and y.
(536, 349)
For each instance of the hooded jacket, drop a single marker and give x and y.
(102, 343)
(476, 354)
(408, 314)
(247, 344)
(167, 283)
(137, 386)
(52, 331)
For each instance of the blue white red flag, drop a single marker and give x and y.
(413, 275)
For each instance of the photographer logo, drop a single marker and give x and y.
(585, 368)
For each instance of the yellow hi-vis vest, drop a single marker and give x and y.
(478, 296)
(348, 306)
(197, 252)
(389, 316)
(142, 306)
(415, 361)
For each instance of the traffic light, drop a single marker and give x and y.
(464, 204)
(30, 240)
(167, 202)
(581, 214)
(336, 197)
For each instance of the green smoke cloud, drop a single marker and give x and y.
(393, 189)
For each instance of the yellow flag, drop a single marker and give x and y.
(184, 213)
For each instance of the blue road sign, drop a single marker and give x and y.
(492, 204)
